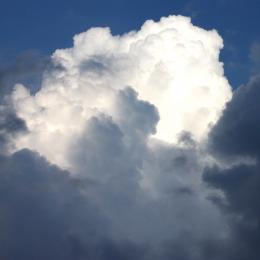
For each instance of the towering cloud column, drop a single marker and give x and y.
(171, 64)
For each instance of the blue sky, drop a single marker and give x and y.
(47, 25)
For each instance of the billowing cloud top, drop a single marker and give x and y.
(171, 64)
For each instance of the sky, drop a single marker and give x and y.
(26, 25)
(129, 130)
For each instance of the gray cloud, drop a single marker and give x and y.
(237, 132)
(124, 193)
(10, 127)
(42, 210)
(46, 214)
(236, 136)
(27, 68)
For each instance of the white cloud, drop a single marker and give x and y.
(172, 64)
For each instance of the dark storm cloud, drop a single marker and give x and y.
(237, 132)
(241, 187)
(45, 214)
(37, 201)
(236, 136)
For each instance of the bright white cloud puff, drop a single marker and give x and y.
(171, 64)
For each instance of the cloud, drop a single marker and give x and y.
(171, 64)
(117, 139)
(38, 205)
(104, 212)
(27, 68)
(10, 127)
(236, 136)
(48, 213)
(236, 133)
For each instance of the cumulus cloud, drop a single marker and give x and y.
(128, 151)
(172, 64)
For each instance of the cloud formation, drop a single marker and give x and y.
(129, 150)
(237, 136)
(171, 64)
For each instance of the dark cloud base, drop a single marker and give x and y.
(45, 215)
